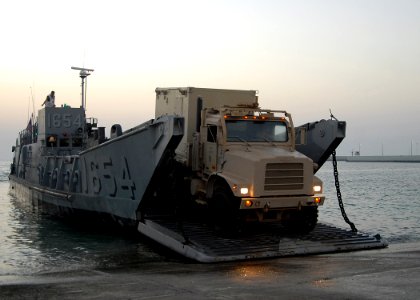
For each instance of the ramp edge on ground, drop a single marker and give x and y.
(200, 243)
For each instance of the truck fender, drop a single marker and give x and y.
(214, 180)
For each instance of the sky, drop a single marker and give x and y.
(359, 58)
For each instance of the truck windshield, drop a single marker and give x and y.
(256, 131)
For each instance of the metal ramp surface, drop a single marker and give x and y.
(201, 243)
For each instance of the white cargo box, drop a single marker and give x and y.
(185, 101)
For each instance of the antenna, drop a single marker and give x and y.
(84, 72)
(33, 102)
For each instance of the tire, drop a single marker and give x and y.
(224, 209)
(301, 221)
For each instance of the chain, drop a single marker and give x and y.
(340, 200)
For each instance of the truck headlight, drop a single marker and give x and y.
(317, 188)
(244, 190)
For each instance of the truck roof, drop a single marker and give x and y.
(190, 89)
(189, 102)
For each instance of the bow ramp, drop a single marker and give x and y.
(201, 243)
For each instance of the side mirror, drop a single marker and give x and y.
(300, 135)
(13, 148)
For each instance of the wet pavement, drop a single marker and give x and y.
(389, 273)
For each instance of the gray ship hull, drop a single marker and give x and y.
(112, 179)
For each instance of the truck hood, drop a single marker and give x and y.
(251, 166)
(261, 153)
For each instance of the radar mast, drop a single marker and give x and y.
(83, 74)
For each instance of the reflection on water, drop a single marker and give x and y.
(253, 271)
(34, 243)
(379, 198)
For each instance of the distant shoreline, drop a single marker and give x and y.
(384, 158)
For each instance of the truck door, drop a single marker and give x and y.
(210, 150)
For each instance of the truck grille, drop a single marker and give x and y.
(283, 176)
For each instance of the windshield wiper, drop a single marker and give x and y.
(268, 141)
(239, 138)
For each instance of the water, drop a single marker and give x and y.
(32, 242)
(379, 198)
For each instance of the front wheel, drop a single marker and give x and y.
(301, 221)
(224, 208)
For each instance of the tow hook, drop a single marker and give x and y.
(266, 207)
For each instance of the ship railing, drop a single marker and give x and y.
(25, 137)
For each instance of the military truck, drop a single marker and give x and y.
(240, 160)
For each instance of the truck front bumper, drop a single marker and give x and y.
(275, 203)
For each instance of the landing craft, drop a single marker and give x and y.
(211, 163)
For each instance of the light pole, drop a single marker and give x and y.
(411, 152)
(83, 74)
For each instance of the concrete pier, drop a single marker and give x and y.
(387, 158)
(391, 273)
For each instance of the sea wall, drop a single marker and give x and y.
(385, 158)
